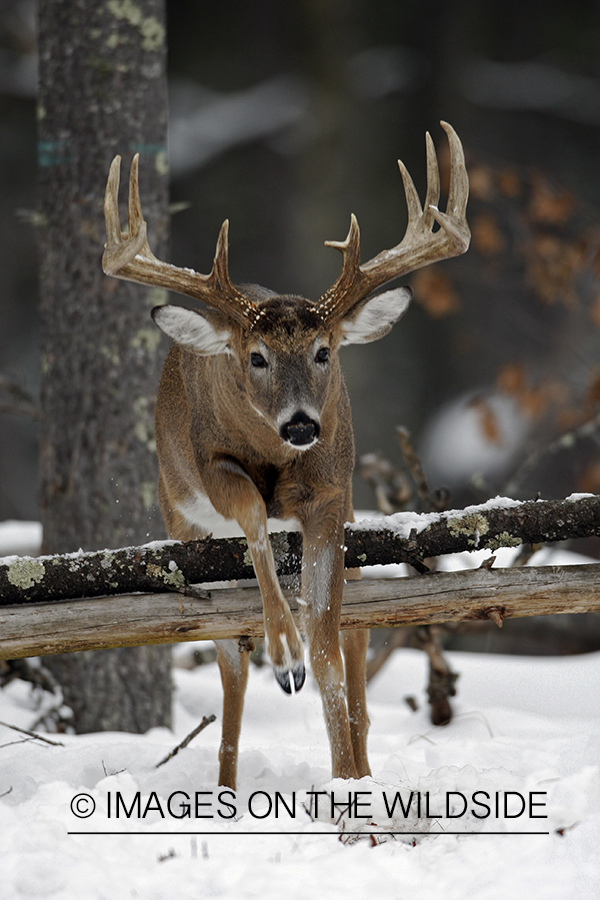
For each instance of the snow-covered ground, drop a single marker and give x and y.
(526, 732)
(531, 727)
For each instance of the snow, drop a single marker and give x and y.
(404, 523)
(523, 728)
(457, 443)
(520, 725)
(20, 538)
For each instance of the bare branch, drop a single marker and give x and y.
(17, 399)
(403, 537)
(32, 734)
(566, 441)
(433, 500)
(206, 720)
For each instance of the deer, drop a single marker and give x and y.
(253, 424)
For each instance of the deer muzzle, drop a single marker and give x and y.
(300, 431)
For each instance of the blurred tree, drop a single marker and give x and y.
(102, 91)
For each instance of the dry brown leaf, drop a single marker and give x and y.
(434, 291)
(510, 184)
(487, 236)
(488, 420)
(550, 205)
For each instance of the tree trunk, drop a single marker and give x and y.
(102, 91)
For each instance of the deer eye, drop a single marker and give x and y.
(258, 361)
(322, 355)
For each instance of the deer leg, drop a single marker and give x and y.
(354, 645)
(322, 587)
(235, 496)
(233, 666)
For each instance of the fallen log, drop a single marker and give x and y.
(37, 629)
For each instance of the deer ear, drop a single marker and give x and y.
(374, 317)
(191, 329)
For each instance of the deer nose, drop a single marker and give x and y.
(300, 431)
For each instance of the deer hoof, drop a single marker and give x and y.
(298, 674)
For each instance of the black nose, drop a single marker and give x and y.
(300, 430)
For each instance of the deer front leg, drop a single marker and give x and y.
(234, 495)
(322, 588)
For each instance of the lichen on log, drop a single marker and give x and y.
(403, 537)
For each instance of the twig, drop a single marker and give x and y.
(525, 554)
(206, 720)
(20, 401)
(398, 637)
(567, 441)
(435, 501)
(23, 669)
(33, 734)
(389, 484)
(442, 680)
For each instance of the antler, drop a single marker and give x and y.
(128, 256)
(419, 246)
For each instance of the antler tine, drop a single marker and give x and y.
(458, 192)
(432, 197)
(420, 244)
(413, 204)
(128, 256)
(220, 269)
(111, 210)
(134, 204)
(454, 220)
(120, 248)
(350, 248)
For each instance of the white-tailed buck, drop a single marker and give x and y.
(253, 422)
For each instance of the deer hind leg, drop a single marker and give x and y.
(233, 663)
(233, 666)
(322, 587)
(354, 644)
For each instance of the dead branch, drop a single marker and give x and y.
(390, 485)
(16, 399)
(206, 720)
(32, 734)
(568, 440)
(442, 680)
(432, 500)
(427, 637)
(404, 537)
(398, 637)
(129, 620)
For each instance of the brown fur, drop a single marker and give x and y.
(204, 418)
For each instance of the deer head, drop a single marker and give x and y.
(284, 348)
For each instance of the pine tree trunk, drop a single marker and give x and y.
(102, 91)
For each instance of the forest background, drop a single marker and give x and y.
(286, 118)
